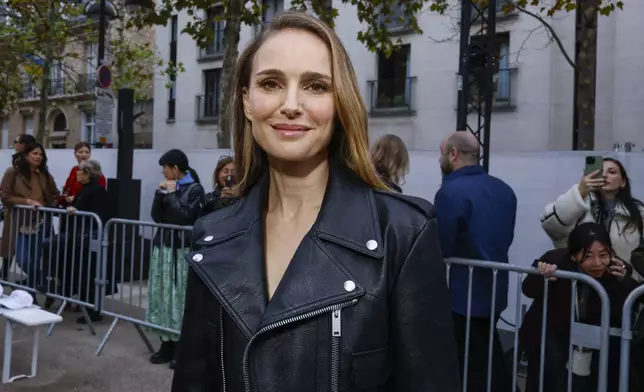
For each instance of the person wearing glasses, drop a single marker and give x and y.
(476, 214)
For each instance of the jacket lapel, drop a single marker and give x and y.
(232, 262)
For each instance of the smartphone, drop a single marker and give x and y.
(594, 163)
(230, 181)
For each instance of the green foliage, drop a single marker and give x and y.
(58, 32)
(547, 8)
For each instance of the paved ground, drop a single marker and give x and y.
(67, 362)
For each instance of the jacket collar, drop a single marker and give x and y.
(232, 262)
(464, 171)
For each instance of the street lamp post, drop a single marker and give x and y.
(123, 189)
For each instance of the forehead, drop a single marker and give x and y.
(293, 51)
(611, 165)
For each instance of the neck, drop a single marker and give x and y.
(609, 195)
(297, 187)
(33, 168)
(180, 176)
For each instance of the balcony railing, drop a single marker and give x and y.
(500, 10)
(82, 84)
(392, 96)
(215, 49)
(207, 108)
(504, 85)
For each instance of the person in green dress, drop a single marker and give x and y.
(177, 201)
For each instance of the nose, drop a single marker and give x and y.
(291, 105)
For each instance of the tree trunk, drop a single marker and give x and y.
(231, 39)
(587, 71)
(45, 83)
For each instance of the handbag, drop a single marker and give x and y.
(581, 357)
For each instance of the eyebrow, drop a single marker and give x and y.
(305, 75)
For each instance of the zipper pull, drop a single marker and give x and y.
(336, 323)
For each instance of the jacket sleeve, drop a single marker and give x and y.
(422, 334)
(559, 218)
(99, 204)
(184, 210)
(532, 286)
(194, 371)
(158, 206)
(7, 196)
(450, 209)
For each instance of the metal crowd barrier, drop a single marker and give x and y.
(588, 336)
(145, 275)
(54, 253)
(632, 306)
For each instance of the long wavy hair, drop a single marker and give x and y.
(623, 196)
(391, 159)
(349, 143)
(23, 166)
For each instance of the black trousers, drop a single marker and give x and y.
(477, 374)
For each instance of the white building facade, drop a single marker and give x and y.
(413, 94)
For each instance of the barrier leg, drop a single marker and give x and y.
(60, 310)
(107, 336)
(144, 338)
(90, 324)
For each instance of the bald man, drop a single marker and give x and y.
(475, 213)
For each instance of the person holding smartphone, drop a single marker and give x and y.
(602, 196)
(225, 190)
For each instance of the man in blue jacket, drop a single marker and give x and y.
(476, 214)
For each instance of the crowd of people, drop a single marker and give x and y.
(308, 269)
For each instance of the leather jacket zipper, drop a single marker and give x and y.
(221, 350)
(336, 335)
(281, 323)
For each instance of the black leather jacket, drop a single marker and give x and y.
(362, 306)
(181, 208)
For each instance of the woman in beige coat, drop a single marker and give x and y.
(28, 182)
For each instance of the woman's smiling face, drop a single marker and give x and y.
(290, 101)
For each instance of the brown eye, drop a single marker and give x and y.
(269, 84)
(318, 87)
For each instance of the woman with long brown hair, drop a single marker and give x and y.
(316, 279)
(391, 159)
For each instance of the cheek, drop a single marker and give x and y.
(322, 111)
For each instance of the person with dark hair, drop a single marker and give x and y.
(590, 252)
(82, 152)
(19, 145)
(27, 183)
(178, 201)
(225, 190)
(606, 200)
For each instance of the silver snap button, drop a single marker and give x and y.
(372, 245)
(349, 286)
(208, 238)
(198, 257)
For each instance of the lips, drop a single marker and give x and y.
(290, 127)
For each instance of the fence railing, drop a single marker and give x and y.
(134, 271)
(632, 306)
(581, 335)
(143, 268)
(54, 253)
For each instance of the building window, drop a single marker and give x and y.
(28, 123)
(209, 102)
(172, 93)
(56, 78)
(504, 74)
(396, 20)
(218, 24)
(392, 90)
(88, 125)
(5, 132)
(270, 8)
(91, 55)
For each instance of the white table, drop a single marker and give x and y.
(33, 318)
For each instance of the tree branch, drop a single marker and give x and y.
(550, 29)
(525, 40)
